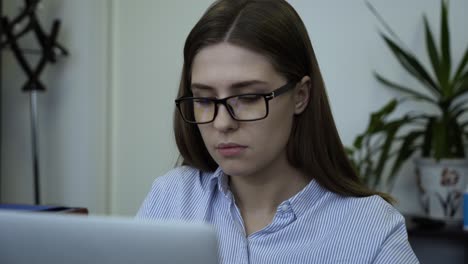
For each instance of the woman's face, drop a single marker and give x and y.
(243, 148)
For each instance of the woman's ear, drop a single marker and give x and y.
(302, 95)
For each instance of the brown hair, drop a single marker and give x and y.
(274, 29)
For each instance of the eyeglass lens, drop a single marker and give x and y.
(242, 108)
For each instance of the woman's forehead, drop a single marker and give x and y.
(225, 63)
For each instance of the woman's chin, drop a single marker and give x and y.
(236, 168)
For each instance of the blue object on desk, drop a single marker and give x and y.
(465, 210)
(25, 207)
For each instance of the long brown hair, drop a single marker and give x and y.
(274, 29)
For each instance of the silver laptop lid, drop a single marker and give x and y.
(54, 238)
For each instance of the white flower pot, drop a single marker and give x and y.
(441, 186)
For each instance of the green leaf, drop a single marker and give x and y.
(457, 106)
(405, 152)
(349, 151)
(404, 89)
(358, 142)
(413, 66)
(432, 50)
(367, 162)
(391, 131)
(461, 87)
(459, 112)
(463, 125)
(439, 139)
(461, 83)
(461, 66)
(382, 21)
(445, 43)
(387, 109)
(427, 144)
(377, 119)
(456, 148)
(367, 174)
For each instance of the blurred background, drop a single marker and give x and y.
(105, 121)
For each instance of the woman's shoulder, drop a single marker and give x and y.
(372, 216)
(364, 224)
(373, 209)
(373, 202)
(376, 203)
(380, 229)
(178, 191)
(182, 180)
(177, 176)
(366, 208)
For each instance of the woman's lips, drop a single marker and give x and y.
(230, 150)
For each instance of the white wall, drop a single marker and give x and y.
(148, 42)
(72, 113)
(106, 129)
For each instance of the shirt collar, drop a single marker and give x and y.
(298, 204)
(219, 180)
(307, 198)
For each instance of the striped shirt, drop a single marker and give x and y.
(313, 226)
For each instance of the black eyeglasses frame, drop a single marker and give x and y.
(267, 97)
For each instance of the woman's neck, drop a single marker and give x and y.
(265, 190)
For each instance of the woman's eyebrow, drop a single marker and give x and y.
(199, 86)
(237, 85)
(247, 84)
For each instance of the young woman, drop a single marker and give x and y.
(262, 159)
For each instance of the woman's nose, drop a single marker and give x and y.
(223, 120)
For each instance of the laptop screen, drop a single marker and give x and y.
(60, 238)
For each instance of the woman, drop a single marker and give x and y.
(262, 159)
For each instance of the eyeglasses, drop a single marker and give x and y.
(242, 107)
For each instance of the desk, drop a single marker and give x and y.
(443, 244)
(44, 208)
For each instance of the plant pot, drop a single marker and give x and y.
(441, 185)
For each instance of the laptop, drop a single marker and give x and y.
(60, 238)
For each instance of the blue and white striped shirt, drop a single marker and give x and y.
(313, 226)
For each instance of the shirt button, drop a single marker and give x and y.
(284, 208)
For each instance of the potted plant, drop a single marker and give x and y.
(374, 149)
(386, 144)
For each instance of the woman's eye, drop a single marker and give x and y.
(202, 102)
(249, 98)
